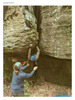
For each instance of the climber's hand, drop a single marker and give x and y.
(35, 68)
(28, 64)
(24, 63)
(31, 45)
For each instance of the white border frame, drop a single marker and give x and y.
(37, 3)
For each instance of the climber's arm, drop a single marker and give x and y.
(24, 67)
(38, 53)
(29, 52)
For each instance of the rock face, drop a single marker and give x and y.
(20, 27)
(55, 70)
(55, 38)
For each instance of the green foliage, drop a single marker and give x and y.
(26, 88)
(4, 87)
(9, 86)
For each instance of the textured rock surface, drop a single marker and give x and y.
(20, 26)
(55, 70)
(55, 39)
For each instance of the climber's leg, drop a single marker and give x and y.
(29, 52)
(38, 53)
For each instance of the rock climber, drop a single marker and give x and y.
(35, 56)
(17, 84)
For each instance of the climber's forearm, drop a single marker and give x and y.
(29, 53)
(38, 52)
(37, 49)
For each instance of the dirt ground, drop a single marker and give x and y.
(44, 89)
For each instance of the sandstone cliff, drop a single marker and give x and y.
(55, 38)
(54, 26)
(20, 27)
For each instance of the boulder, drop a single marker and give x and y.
(55, 37)
(19, 28)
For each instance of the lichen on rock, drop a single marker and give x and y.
(55, 38)
(19, 29)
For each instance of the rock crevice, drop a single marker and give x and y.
(21, 24)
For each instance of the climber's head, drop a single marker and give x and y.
(17, 67)
(14, 60)
(32, 58)
(18, 64)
